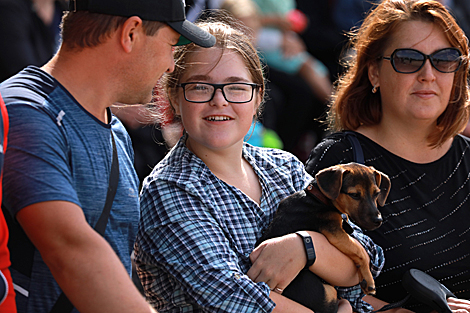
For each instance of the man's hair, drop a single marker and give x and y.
(353, 103)
(83, 29)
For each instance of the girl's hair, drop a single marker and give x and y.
(83, 29)
(353, 104)
(230, 36)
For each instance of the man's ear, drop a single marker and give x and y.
(373, 72)
(131, 29)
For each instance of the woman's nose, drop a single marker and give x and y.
(427, 72)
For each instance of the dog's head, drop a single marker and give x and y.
(355, 190)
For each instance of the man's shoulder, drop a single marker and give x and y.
(31, 85)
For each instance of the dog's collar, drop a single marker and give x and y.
(313, 190)
(346, 226)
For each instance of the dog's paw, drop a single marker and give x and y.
(366, 288)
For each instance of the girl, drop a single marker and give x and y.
(205, 205)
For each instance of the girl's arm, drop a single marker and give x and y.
(277, 262)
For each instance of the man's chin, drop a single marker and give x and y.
(138, 101)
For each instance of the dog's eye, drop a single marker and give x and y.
(355, 195)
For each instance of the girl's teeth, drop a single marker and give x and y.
(218, 118)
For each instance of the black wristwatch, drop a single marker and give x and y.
(308, 244)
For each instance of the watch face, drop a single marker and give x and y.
(309, 249)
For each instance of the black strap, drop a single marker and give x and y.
(394, 305)
(100, 226)
(357, 149)
(63, 304)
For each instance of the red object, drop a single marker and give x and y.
(298, 20)
(9, 304)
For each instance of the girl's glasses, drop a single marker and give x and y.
(204, 92)
(407, 61)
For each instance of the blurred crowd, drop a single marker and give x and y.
(301, 43)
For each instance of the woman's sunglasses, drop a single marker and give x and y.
(407, 61)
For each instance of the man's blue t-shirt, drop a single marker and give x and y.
(59, 151)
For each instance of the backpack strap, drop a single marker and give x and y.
(63, 304)
(357, 149)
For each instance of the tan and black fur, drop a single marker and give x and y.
(352, 189)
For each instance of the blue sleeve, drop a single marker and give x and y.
(36, 163)
(193, 251)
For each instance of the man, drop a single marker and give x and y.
(60, 152)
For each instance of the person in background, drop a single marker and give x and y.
(29, 33)
(7, 294)
(460, 9)
(283, 49)
(208, 201)
(288, 93)
(60, 151)
(405, 96)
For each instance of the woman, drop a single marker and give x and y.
(205, 205)
(405, 97)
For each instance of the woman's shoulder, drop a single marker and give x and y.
(460, 147)
(334, 149)
(462, 140)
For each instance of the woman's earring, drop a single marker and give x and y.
(374, 89)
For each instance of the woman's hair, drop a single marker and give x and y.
(230, 36)
(83, 29)
(353, 103)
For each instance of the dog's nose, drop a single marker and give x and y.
(377, 220)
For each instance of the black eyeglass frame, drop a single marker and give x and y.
(221, 87)
(426, 57)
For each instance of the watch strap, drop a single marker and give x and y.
(309, 249)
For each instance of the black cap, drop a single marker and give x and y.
(168, 11)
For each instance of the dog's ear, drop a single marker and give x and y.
(384, 184)
(330, 180)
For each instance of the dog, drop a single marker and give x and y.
(350, 189)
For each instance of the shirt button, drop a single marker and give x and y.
(237, 276)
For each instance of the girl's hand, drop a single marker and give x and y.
(277, 261)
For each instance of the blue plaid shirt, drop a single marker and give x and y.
(196, 232)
